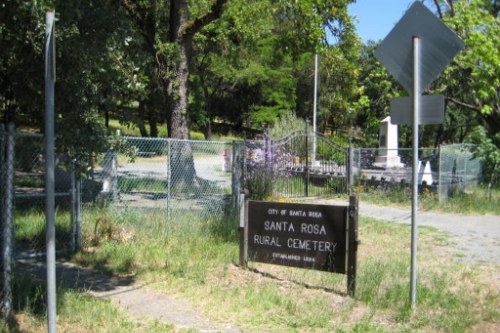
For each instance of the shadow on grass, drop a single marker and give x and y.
(298, 283)
(29, 286)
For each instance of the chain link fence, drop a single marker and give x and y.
(441, 170)
(29, 195)
(22, 203)
(175, 180)
(458, 168)
(178, 179)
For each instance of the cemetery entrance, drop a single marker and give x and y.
(306, 164)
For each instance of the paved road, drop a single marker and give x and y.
(477, 237)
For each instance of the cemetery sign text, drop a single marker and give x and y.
(299, 235)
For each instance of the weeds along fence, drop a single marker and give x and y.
(301, 164)
(176, 178)
(172, 178)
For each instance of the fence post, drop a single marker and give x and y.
(169, 177)
(50, 77)
(244, 153)
(350, 171)
(243, 230)
(8, 220)
(2, 169)
(353, 245)
(73, 207)
(78, 210)
(267, 146)
(306, 187)
(235, 184)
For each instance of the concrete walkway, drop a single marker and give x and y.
(137, 300)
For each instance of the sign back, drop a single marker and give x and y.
(439, 45)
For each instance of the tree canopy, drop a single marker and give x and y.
(230, 63)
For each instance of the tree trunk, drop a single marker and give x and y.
(177, 95)
(153, 124)
(181, 32)
(182, 163)
(140, 120)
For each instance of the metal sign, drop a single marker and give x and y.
(439, 45)
(431, 110)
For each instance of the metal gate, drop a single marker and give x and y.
(307, 164)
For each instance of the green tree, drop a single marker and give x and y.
(376, 87)
(472, 82)
(264, 49)
(84, 34)
(488, 150)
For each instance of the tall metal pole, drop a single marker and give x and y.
(414, 204)
(315, 106)
(8, 220)
(50, 166)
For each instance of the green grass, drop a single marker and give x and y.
(473, 200)
(35, 181)
(77, 312)
(128, 184)
(195, 260)
(133, 130)
(30, 228)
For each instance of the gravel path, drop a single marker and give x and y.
(477, 237)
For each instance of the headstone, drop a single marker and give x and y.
(425, 173)
(388, 153)
(109, 175)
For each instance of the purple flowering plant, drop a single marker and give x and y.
(265, 166)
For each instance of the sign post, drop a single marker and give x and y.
(414, 197)
(50, 166)
(415, 52)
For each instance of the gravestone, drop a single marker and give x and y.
(110, 175)
(425, 173)
(388, 143)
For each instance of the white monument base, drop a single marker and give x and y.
(388, 162)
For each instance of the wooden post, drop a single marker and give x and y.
(243, 231)
(306, 188)
(352, 241)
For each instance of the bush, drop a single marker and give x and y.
(487, 149)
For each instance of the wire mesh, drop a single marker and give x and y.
(177, 178)
(200, 178)
(29, 194)
(440, 170)
(458, 168)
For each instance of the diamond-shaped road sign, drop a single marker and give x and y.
(431, 110)
(439, 45)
